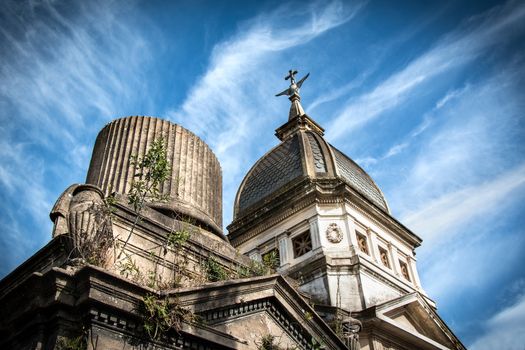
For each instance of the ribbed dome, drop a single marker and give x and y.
(302, 154)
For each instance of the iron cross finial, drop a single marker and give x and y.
(294, 87)
(291, 76)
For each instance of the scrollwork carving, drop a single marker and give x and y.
(334, 233)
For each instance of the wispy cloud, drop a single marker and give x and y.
(65, 70)
(338, 92)
(22, 185)
(452, 51)
(228, 104)
(467, 147)
(467, 263)
(76, 75)
(448, 213)
(505, 330)
(450, 96)
(460, 181)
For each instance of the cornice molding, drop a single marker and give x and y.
(307, 192)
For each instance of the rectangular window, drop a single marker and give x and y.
(362, 243)
(302, 244)
(383, 254)
(404, 270)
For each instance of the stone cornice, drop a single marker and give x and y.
(113, 302)
(304, 192)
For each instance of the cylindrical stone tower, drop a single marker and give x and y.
(195, 184)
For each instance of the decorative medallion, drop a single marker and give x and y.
(333, 233)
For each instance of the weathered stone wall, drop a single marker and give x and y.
(145, 253)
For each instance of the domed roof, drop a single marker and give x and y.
(303, 154)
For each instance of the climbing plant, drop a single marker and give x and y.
(161, 315)
(215, 271)
(150, 173)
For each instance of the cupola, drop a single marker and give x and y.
(302, 153)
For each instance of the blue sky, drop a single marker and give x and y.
(426, 96)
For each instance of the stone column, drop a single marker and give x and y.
(395, 258)
(284, 249)
(374, 249)
(413, 271)
(314, 233)
(351, 233)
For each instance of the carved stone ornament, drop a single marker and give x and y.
(81, 215)
(351, 329)
(333, 233)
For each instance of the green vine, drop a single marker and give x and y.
(177, 238)
(215, 271)
(270, 261)
(161, 315)
(151, 172)
(72, 343)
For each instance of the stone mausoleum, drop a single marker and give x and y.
(138, 258)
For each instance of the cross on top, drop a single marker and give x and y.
(293, 90)
(291, 76)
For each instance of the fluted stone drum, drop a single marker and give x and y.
(195, 185)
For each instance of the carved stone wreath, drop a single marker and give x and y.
(333, 233)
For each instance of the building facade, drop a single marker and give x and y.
(138, 259)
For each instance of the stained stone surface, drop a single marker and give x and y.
(195, 184)
(274, 170)
(319, 162)
(359, 179)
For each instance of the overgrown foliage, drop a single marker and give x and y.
(72, 343)
(268, 342)
(176, 239)
(270, 262)
(161, 315)
(150, 173)
(254, 269)
(215, 271)
(92, 244)
(271, 342)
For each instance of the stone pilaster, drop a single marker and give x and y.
(351, 233)
(284, 249)
(395, 259)
(314, 232)
(413, 271)
(374, 247)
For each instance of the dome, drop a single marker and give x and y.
(302, 154)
